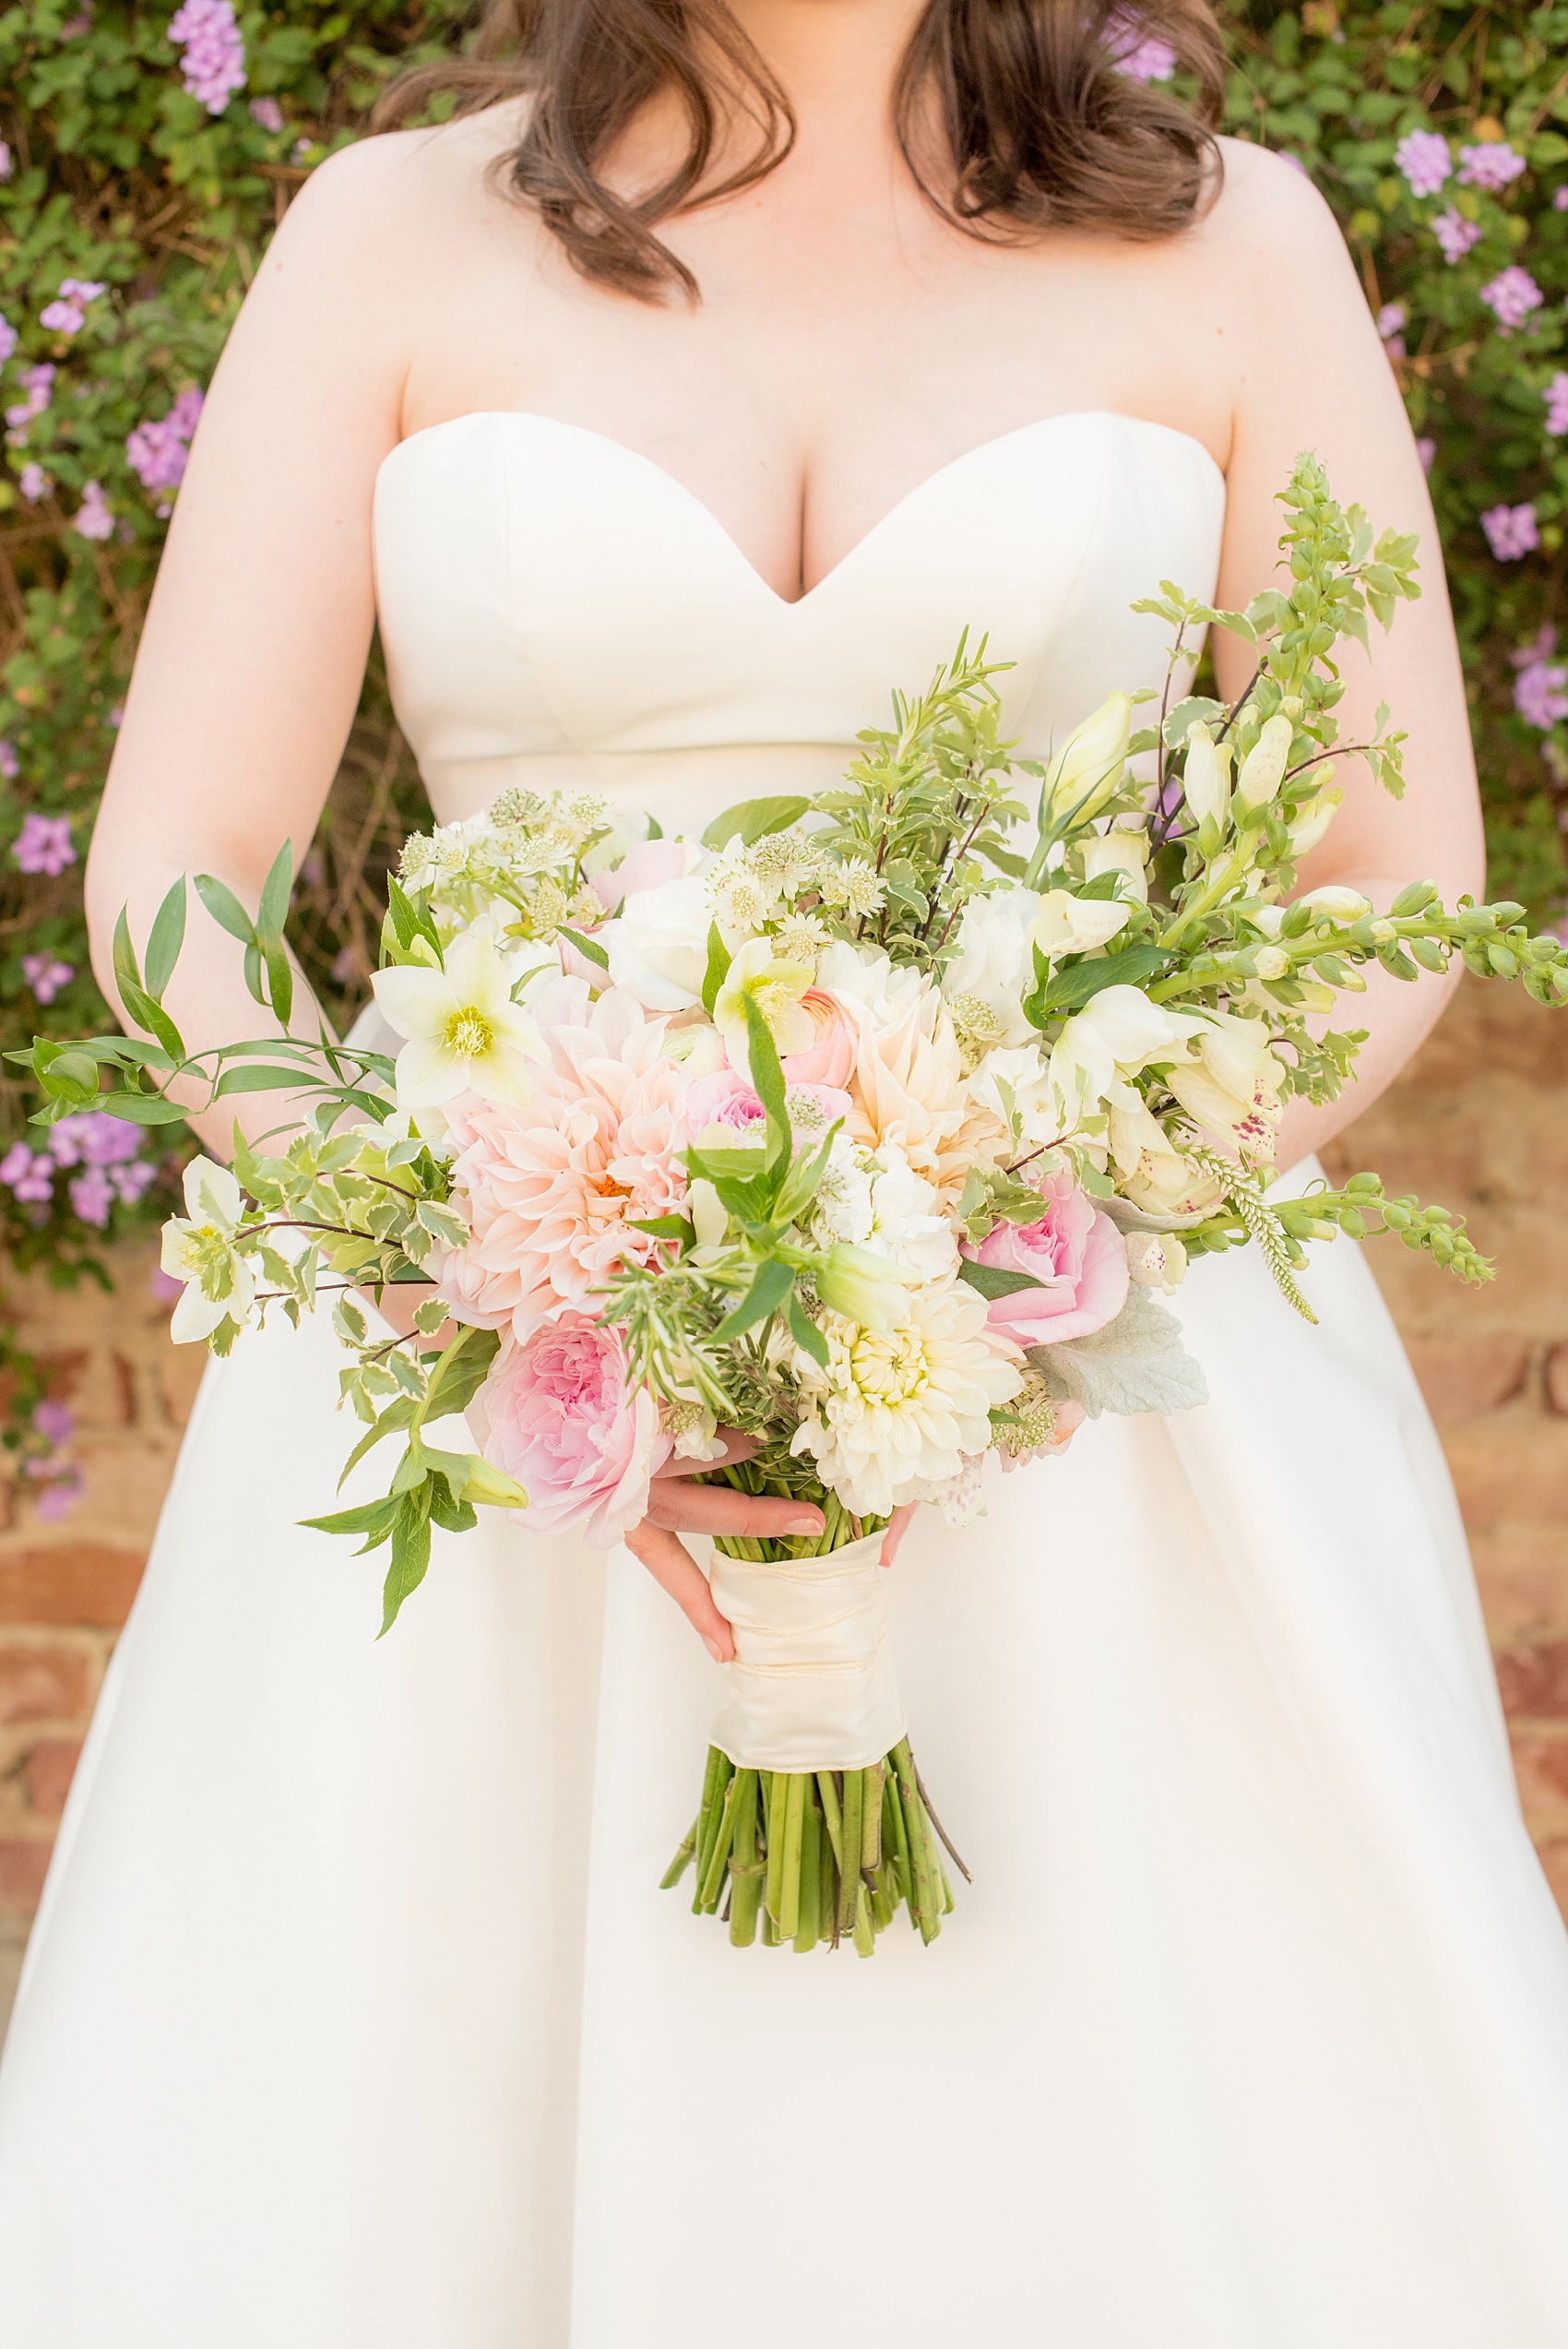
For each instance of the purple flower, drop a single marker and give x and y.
(1510, 531)
(268, 112)
(38, 382)
(33, 483)
(1491, 166)
(1425, 449)
(7, 338)
(91, 1137)
(1559, 201)
(68, 313)
(44, 845)
(92, 1196)
(1557, 404)
(1510, 296)
(1455, 234)
(6, 165)
(45, 976)
(10, 765)
(1390, 320)
(28, 1176)
(59, 1496)
(214, 58)
(54, 1422)
(1539, 694)
(92, 516)
(1422, 156)
(1141, 55)
(158, 449)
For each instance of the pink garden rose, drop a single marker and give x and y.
(553, 1186)
(560, 1420)
(726, 1098)
(1076, 1254)
(829, 1059)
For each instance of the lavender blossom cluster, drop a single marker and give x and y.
(105, 1149)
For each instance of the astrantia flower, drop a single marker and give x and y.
(893, 1412)
(466, 1035)
(1455, 234)
(1035, 1423)
(1510, 296)
(554, 1185)
(198, 1248)
(1423, 158)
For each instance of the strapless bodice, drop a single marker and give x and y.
(557, 609)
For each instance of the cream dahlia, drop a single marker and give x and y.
(896, 1411)
(908, 1090)
(551, 1187)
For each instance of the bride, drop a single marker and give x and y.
(697, 383)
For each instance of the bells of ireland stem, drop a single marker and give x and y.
(1264, 766)
(1205, 776)
(1086, 773)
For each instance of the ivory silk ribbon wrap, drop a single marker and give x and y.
(812, 1686)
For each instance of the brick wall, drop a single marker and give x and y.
(1481, 1123)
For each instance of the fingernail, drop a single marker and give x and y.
(808, 1521)
(714, 1649)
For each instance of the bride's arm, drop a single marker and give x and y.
(1313, 373)
(251, 661)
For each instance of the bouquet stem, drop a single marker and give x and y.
(828, 1855)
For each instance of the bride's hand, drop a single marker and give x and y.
(676, 1507)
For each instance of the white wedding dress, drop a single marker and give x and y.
(354, 2014)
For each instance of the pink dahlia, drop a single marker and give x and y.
(559, 1418)
(1076, 1255)
(552, 1185)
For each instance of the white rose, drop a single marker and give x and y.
(995, 963)
(657, 947)
(905, 1225)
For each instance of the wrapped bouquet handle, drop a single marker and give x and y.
(812, 1686)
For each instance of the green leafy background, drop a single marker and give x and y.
(119, 175)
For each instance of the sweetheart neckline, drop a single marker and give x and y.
(911, 496)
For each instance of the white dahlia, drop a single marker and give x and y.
(895, 1412)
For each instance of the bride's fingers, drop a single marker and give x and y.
(673, 1568)
(736, 1447)
(898, 1525)
(716, 1508)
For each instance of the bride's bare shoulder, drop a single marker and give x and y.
(404, 201)
(1267, 224)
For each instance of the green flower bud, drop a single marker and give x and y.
(1087, 771)
(862, 1287)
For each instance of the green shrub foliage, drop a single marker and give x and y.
(141, 177)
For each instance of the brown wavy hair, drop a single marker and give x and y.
(1040, 128)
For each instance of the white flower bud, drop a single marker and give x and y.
(1340, 904)
(1205, 775)
(1124, 849)
(1271, 962)
(862, 1287)
(1155, 1259)
(1087, 771)
(1314, 820)
(1265, 764)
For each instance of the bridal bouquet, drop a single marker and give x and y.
(875, 1125)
